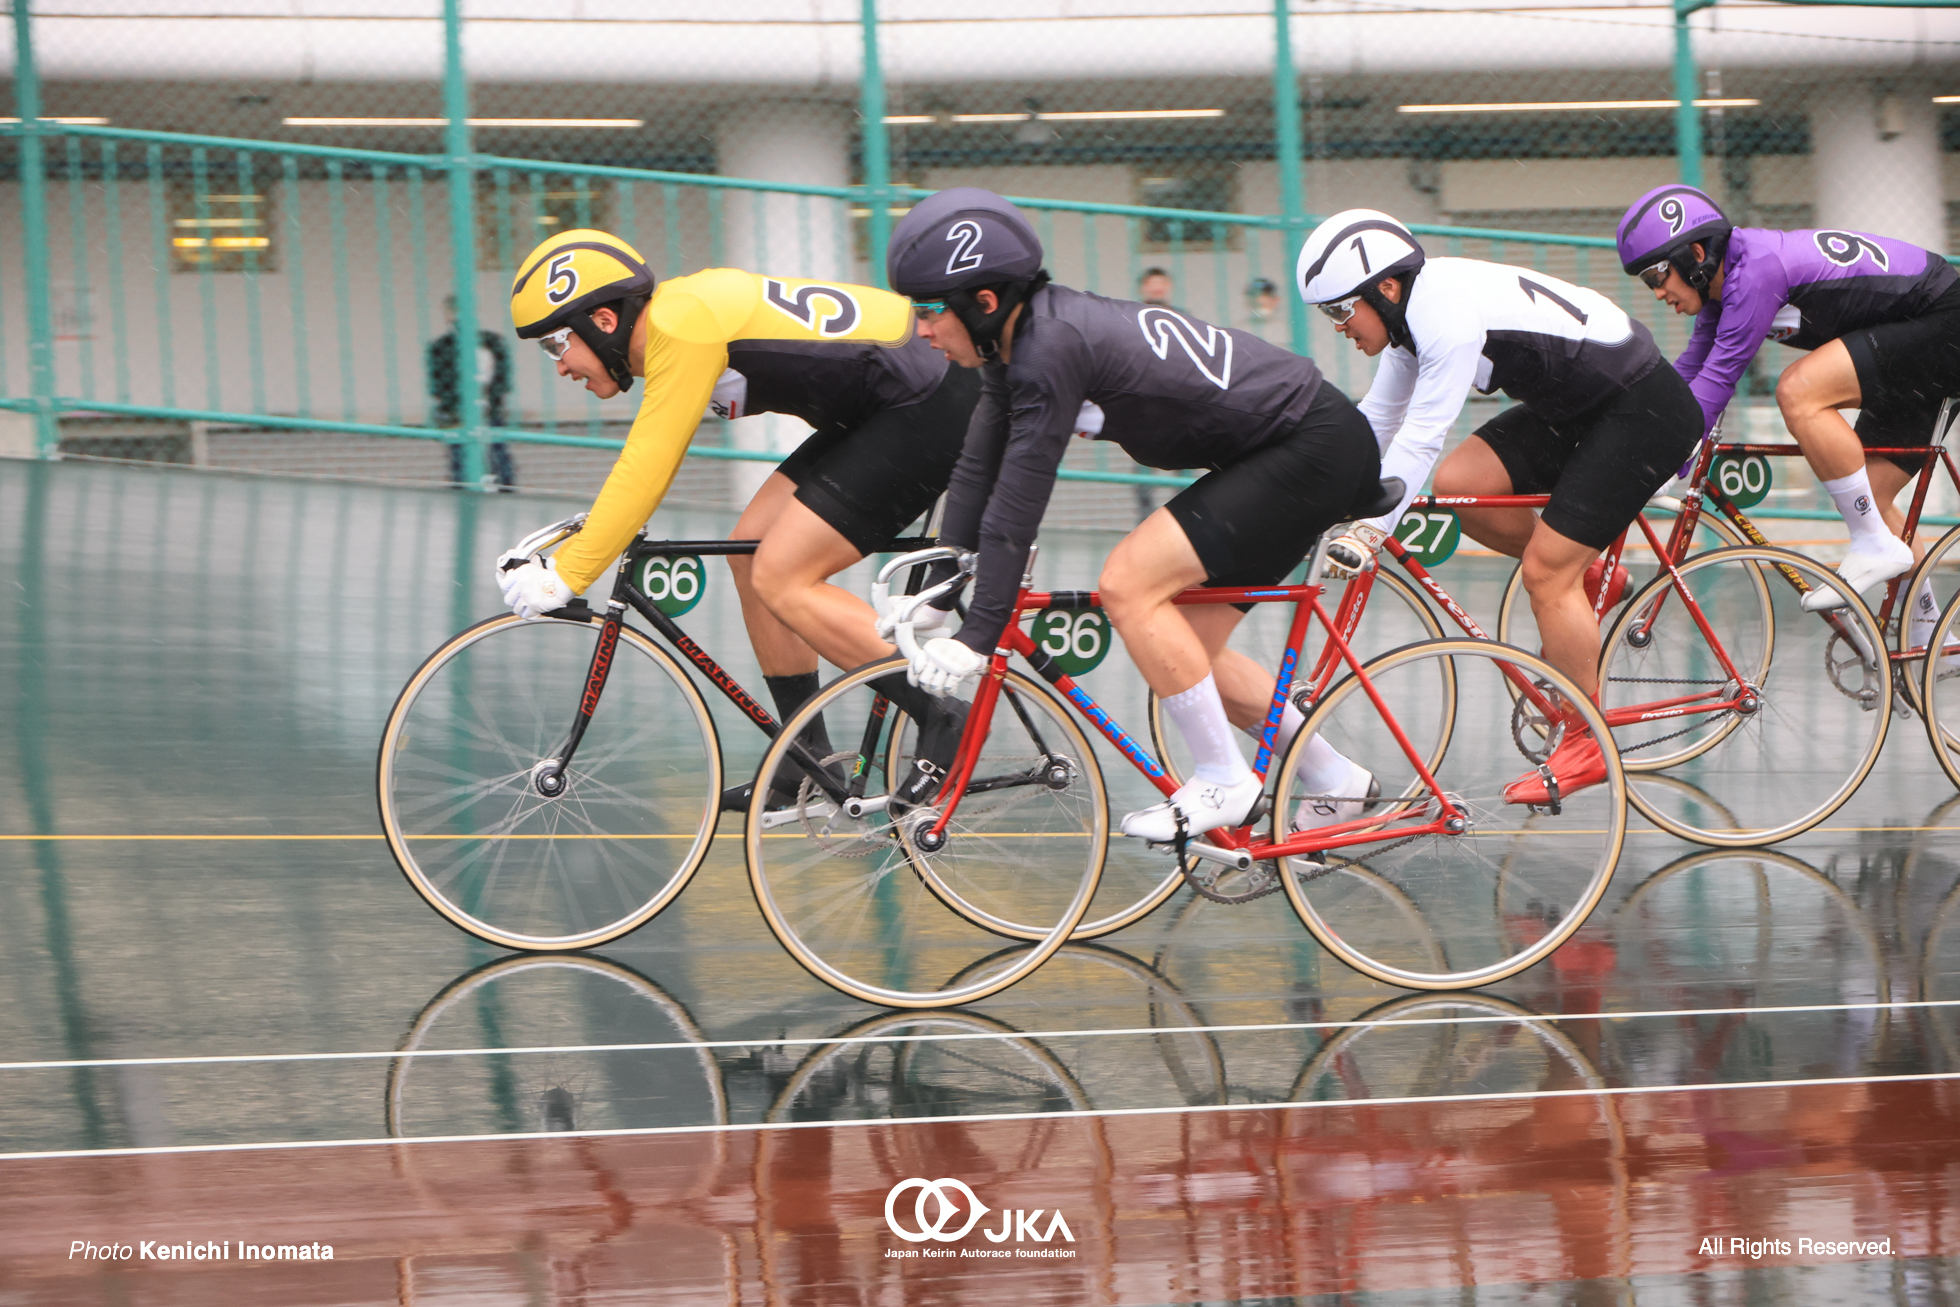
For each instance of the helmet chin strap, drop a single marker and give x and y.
(1393, 313)
(985, 328)
(611, 346)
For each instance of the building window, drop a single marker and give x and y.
(1211, 187)
(220, 227)
(515, 211)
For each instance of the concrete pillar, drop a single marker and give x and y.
(804, 142)
(1876, 151)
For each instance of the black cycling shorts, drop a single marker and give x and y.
(872, 480)
(1601, 467)
(1905, 371)
(1254, 519)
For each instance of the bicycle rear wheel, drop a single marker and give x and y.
(1939, 693)
(497, 858)
(858, 897)
(1768, 744)
(1450, 911)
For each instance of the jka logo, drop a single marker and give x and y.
(941, 1203)
(826, 310)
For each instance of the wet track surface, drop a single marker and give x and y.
(207, 943)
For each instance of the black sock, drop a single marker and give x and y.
(791, 693)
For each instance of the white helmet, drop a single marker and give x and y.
(1351, 252)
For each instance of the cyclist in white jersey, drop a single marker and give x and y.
(1601, 424)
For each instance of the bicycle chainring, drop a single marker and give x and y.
(1531, 731)
(1855, 677)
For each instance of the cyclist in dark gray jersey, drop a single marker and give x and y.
(1289, 457)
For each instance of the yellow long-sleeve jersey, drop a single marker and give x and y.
(690, 321)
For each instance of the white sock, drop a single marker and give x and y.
(1853, 497)
(1925, 612)
(1322, 769)
(1199, 716)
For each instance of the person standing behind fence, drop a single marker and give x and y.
(492, 385)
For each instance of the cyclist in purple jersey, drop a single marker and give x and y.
(1880, 320)
(1289, 456)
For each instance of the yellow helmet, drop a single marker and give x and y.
(561, 281)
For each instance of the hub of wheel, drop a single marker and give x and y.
(548, 778)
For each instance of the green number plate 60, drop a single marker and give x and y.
(1744, 480)
(1431, 536)
(674, 584)
(1076, 638)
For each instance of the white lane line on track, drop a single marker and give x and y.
(757, 1127)
(1115, 1031)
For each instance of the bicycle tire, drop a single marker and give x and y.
(849, 896)
(507, 865)
(1806, 731)
(1493, 899)
(1939, 694)
(1938, 571)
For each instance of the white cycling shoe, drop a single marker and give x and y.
(1861, 570)
(1206, 806)
(1328, 810)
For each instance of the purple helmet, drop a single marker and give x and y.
(1664, 222)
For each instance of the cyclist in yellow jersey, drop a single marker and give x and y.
(889, 417)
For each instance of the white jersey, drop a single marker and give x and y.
(1557, 348)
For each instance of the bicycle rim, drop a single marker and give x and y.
(1809, 711)
(1450, 911)
(862, 902)
(470, 830)
(1939, 694)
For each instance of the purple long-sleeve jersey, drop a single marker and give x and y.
(1802, 288)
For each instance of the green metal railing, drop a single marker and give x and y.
(337, 293)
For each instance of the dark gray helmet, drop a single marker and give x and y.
(960, 239)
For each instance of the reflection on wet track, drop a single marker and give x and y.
(206, 947)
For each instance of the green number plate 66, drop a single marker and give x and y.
(1431, 536)
(1744, 480)
(1076, 638)
(674, 584)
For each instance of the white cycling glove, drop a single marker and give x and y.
(1351, 554)
(928, 623)
(533, 587)
(941, 664)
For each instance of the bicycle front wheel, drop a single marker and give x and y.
(468, 825)
(866, 902)
(1939, 692)
(1452, 909)
(1743, 719)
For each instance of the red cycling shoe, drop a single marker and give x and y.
(1575, 764)
(1616, 589)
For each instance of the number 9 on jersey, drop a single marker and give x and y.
(1076, 638)
(673, 584)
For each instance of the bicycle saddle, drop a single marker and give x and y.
(1386, 497)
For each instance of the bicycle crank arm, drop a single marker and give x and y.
(863, 807)
(785, 816)
(1236, 859)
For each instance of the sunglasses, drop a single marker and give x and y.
(923, 307)
(1655, 277)
(557, 343)
(1340, 310)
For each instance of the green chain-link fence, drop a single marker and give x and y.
(240, 244)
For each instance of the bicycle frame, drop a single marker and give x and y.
(625, 594)
(1448, 817)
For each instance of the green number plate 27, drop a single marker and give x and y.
(1430, 536)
